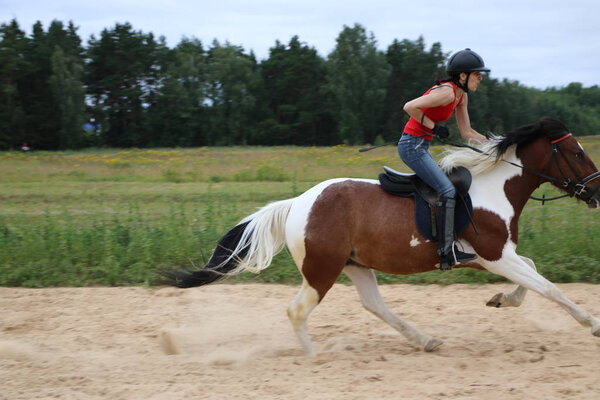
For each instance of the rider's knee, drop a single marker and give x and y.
(448, 192)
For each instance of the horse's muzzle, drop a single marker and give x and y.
(592, 197)
(589, 194)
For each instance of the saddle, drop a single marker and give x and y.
(410, 185)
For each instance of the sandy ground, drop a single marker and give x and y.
(234, 342)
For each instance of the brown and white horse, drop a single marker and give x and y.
(352, 225)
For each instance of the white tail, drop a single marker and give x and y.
(264, 237)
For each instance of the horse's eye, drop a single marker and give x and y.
(579, 156)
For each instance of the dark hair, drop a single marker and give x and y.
(453, 77)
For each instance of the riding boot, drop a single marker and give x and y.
(449, 254)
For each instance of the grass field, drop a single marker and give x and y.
(110, 217)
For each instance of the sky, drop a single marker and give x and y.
(539, 43)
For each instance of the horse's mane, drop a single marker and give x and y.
(502, 147)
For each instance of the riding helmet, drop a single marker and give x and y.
(466, 61)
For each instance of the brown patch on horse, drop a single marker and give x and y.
(359, 221)
(327, 239)
(517, 198)
(492, 236)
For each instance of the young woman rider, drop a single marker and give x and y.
(426, 112)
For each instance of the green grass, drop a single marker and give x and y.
(111, 217)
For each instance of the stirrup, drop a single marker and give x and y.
(447, 261)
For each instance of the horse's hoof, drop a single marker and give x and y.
(496, 301)
(432, 344)
(596, 332)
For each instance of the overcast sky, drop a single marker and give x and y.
(539, 43)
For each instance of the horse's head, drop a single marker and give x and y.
(567, 166)
(552, 154)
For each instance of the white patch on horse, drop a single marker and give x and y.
(487, 189)
(414, 242)
(304, 302)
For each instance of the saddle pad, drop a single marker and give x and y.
(461, 216)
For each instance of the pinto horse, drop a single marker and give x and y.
(352, 225)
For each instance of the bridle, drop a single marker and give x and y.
(578, 188)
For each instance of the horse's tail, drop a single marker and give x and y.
(249, 246)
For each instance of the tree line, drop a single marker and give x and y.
(127, 88)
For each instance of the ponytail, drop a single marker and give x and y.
(439, 82)
(455, 78)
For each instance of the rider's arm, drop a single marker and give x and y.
(438, 97)
(464, 122)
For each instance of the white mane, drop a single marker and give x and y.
(475, 162)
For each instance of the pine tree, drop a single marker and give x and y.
(231, 78)
(13, 123)
(122, 78)
(175, 117)
(357, 75)
(69, 96)
(294, 79)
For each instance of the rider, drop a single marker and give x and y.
(426, 112)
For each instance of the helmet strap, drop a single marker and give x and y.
(465, 86)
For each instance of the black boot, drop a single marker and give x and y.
(449, 254)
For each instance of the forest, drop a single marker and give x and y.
(126, 88)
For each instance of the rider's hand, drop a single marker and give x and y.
(441, 131)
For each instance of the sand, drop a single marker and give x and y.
(235, 342)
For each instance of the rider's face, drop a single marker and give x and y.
(474, 80)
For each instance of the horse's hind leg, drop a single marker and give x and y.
(514, 298)
(306, 300)
(366, 284)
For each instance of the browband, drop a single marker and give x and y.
(562, 138)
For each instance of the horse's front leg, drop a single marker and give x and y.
(514, 298)
(513, 267)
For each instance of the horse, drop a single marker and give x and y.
(352, 226)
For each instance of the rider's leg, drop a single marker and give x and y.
(414, 151)
(449, 254)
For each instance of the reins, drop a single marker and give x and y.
(541, 175)
(578, 188)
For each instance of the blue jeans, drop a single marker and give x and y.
(414, 151)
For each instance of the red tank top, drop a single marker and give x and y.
(436, 114)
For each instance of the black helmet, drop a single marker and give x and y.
(466, 61)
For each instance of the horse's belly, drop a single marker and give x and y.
(404, 254)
